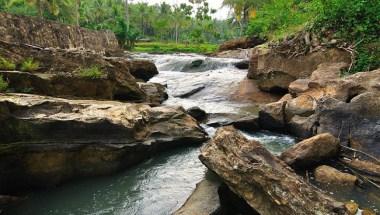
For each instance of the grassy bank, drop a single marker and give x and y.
(170, 47)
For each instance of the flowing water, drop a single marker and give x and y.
(159, 185)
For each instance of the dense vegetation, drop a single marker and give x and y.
(186, 23)
(356, 22)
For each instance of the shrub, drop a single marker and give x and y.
(352, 20)
(3, 84)
(6, 64)
(91, 73)
(280, 18)
(29, 65)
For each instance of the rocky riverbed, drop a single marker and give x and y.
(284, 135)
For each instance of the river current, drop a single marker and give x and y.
(161, 184)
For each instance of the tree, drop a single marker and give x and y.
(244, 10)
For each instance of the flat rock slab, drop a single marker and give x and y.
(47, 140)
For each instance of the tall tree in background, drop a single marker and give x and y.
(244, 10)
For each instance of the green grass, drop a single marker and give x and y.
(3, 84)
(170, 47)
(91, 73)
(6, 64)
(29, 65)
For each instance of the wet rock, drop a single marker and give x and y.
(248, 91)
(311, 151)
(272, 116)
(278, 71)
(352, 208)
(193, 66)
(265, 182)
(143, 69)
(185, 93)
(155, 93)
(249, 123)
(47, 141)
(244, 64)
(197, 113)
(241, 43)
(331, 176)
(45, 34)
(203, 201)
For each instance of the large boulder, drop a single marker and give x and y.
(275, 71)
(265, 182)
(346, 107)
(46, 141)
(45, 34)
(60, 74)
(143, 69)
(311, 151)
(356, 122)
(331, 176)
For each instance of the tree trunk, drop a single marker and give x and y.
(78, 13)
(127, 14)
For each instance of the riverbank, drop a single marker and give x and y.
(172, 47)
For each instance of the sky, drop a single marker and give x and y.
(222, 13)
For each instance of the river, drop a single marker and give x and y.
(161, 184)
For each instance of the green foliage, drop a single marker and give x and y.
(280, 18)
(29, 65)
(91, 73)
(162, 47)
(367, 57)
(6, 64)
(3, 84)
(352, 20)
(186, 22)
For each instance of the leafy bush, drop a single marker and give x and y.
(91, 73)
(280, 18)
(6, 64)
(3, 84)
(353, 20)
(29, 65)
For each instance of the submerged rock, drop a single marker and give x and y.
(266, 183)
(311, 151)
(197, 113)
(331, 176)
(46, 141)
